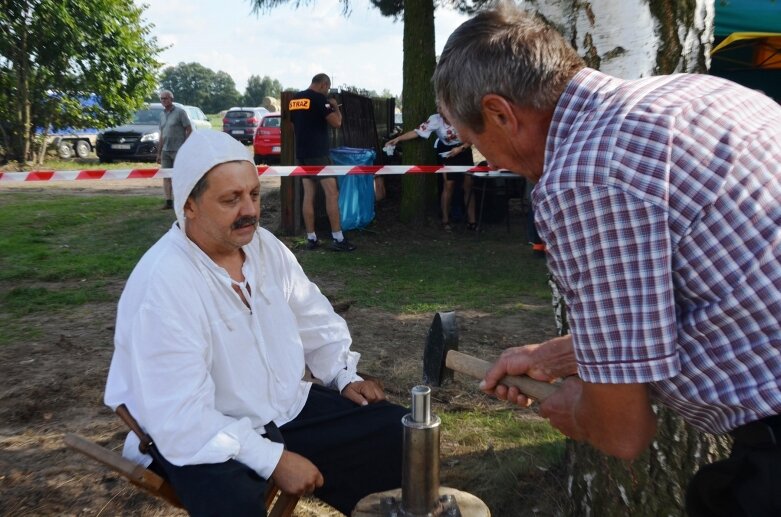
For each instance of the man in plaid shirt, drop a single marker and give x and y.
(658, 200)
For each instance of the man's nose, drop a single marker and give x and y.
(249, 206)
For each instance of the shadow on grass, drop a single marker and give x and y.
(516, 482)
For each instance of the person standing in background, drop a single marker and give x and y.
(450, 151)
(312, 115)
(175, 127)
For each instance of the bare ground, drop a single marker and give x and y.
(54, 385)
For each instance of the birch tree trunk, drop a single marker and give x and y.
(632, 39)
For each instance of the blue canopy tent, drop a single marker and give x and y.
(747, 16)
(747, 46)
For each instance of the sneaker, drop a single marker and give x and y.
(312, 244)
(343, 245)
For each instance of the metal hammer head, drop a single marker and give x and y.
(442, 337)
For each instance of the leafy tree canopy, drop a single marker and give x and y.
(197, 85)
(258, 88)
(54, 53)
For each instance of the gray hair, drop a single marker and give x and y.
(508, 52)
(169, 92)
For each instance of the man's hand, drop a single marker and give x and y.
(559, 408)
(615, 418)
(158, 159)
(457, 150)
(547, 361)
(296, 475)
(364, 392)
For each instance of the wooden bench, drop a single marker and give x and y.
(278, 504)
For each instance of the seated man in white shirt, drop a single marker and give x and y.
(214, 329)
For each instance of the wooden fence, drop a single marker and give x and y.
(366, 123)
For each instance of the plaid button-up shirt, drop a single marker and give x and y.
(660, 205)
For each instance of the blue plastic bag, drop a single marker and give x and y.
(356, 193)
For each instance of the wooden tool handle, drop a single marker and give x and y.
(477, 368)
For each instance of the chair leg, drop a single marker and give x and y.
(284, 507)
(136, 474)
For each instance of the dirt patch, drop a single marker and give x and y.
(54, 385)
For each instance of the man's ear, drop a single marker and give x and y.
(499, 112)
(189, 208)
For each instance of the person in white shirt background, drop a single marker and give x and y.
(215, 327)
(450, 151)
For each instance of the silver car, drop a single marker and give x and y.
(197, 118)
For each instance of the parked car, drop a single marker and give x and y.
(139, 139)
(268, 139)
(71, 142)
(241, 123)
(197, 118)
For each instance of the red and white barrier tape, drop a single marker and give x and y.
(269, 171)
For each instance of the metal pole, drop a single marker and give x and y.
(420, 466)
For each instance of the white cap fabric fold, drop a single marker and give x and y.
(201, 152)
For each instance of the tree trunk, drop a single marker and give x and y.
(633, 39)
(418, 191)
(652, 485)
(23, 116)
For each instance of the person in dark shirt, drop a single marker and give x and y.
(312, 114)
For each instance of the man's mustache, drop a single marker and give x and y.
(242, 222)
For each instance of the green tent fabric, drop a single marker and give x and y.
(747, 16)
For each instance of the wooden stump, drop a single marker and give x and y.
(469, 505)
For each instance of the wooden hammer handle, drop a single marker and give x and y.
(477, 368)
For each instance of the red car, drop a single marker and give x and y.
(268, 139)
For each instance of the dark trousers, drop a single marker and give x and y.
(748, 483)
(357, 449)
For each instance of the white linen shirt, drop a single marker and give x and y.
(202, 372)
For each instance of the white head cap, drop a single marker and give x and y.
(201, 152)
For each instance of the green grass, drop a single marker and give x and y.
(64, 248)
(216, 121)
(435, 274)
(505, 457)
(508, 429)
(60, 238)
(63, 251)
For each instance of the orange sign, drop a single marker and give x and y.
(298, 104)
